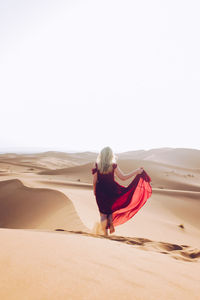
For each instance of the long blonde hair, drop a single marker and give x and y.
(105, 159)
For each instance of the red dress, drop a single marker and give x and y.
(120, 201)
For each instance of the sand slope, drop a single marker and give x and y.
(74, 266)
(24, 207)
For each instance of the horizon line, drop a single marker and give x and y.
(33, 150)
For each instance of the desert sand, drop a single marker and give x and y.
(49, 246)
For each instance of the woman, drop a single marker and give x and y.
(117, 203)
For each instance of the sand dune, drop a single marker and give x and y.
(182, 157)
(62, 266)
(51, 250)
(47, 160)
(24, 207)
(77, 173)
(163, 176)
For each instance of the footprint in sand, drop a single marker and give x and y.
(179, 252)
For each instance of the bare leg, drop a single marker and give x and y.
(112, 228)
(104, 223)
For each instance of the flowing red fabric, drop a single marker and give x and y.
(120, 201)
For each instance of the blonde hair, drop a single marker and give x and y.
(105, 159)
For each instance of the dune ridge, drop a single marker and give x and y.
(25, 207)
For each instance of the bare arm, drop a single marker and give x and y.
(94, 183)
(123, 176)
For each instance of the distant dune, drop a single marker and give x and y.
(162, 175)
(182, 157)
(82, 172)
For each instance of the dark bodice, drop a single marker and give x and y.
(107, 189)
(104, 178)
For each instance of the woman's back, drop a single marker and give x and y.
(105, 177)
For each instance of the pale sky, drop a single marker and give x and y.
(81, 75)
